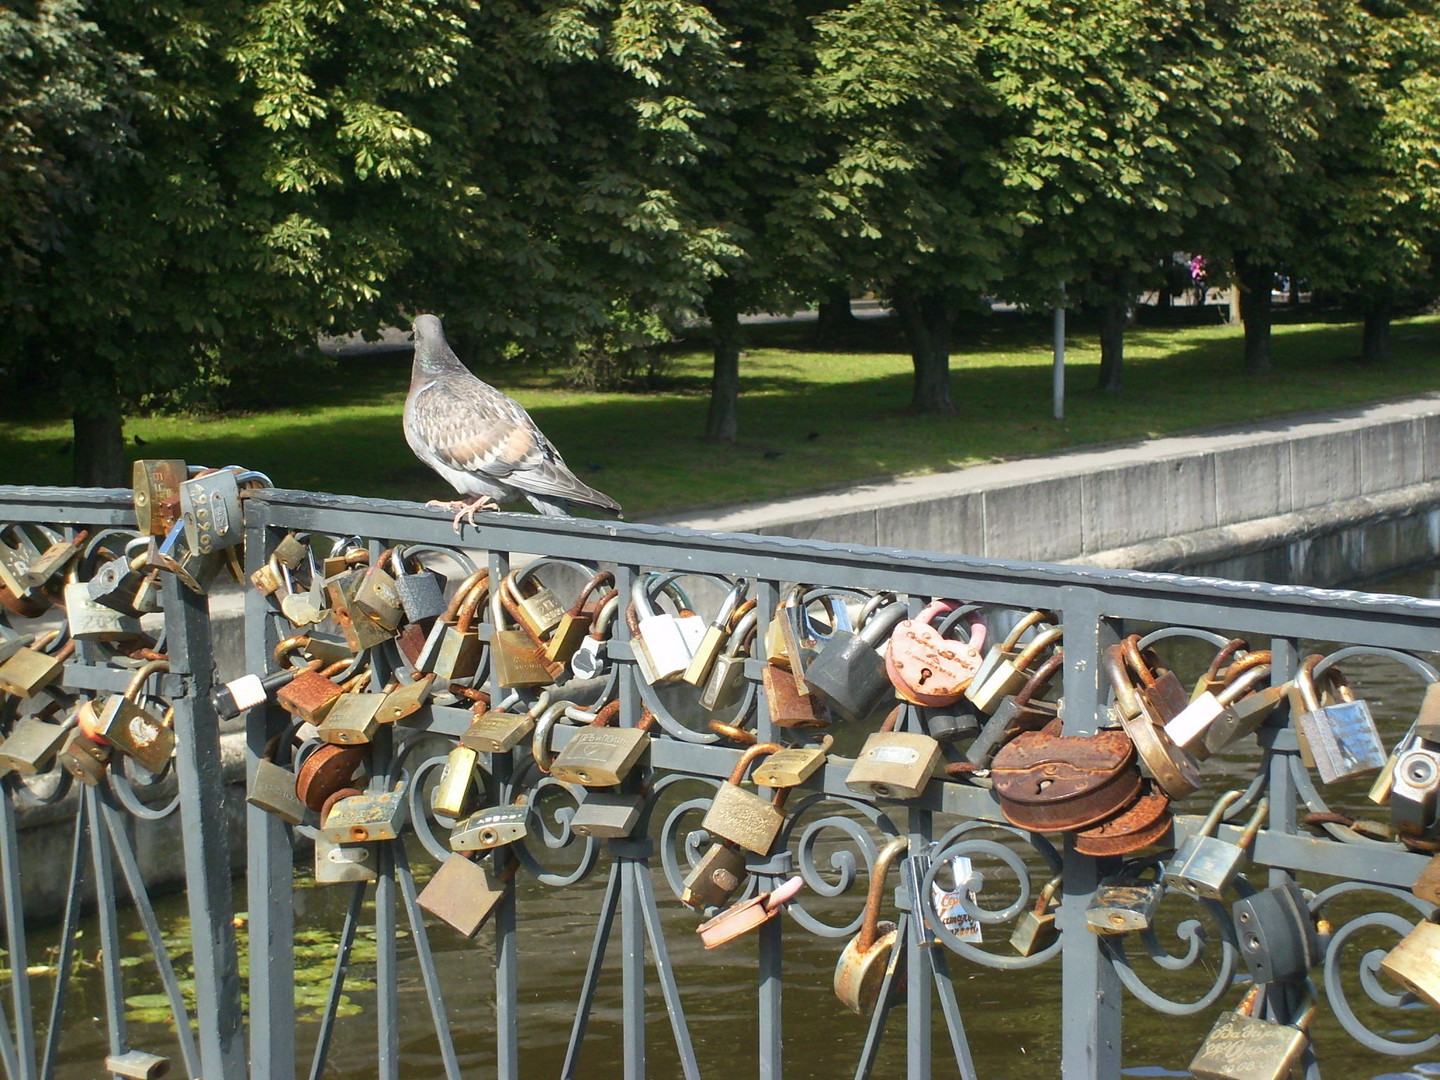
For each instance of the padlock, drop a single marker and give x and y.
(602, 755)
(353, 717)
(848, 672)
(421, 592)
(210, 509)
(1246, 713)
(1127, 901)
(714, 879)
(1415, 962)
(666, 642)
(578, 620)
(1205, 865)
(328, 769)
(1007, 649)
(777, 646)
(465, 894)
(1216, 677)
(137, 1065)
(377, 596)
(272, 578)
(588, 661)
(54, 559)
(1192, 727)
(91, 621)
(132, 730)
(376, 815)
(311, 694)
(1009, 676)
(1427, 882)
(452, 790)
(894, 764)
(498, 731)
(15, 564)
(405, 699)
(156, 483)
(1047, 781)
(517, 658)
(194, 569)
(860, 970)
(1175, 771)
(1242, 1046)
(1035, 930)
(788, 707)
(32, 745)
(452, 650)
(84, 758)
(748, 915)
(361, 630)
(727, 674)
(272, 786)
(1159, 689)
(536, 606)
(250, 691)
(338, 864)
(1145, 822)
(31, 669)
(493, 827)
(802, 634)
(743, 817)
(1276, 934)
(1414, 784)
(1341, 737)
(927, 669)
(793, 765)
(117, 584)
(607, 814)
(9, 646)
(540, 753)
(713, 640)
(1017, 713)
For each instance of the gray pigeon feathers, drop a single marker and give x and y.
(483, 441)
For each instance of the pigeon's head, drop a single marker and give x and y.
(432, 351)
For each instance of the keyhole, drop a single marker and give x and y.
(925, 673)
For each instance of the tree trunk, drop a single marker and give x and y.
(834, 317)
(1114, 316)
(99, 451)
(723, 309)
(1256, 281)
(1375, 348)
(929, 319)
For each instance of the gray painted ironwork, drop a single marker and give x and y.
(949, 819)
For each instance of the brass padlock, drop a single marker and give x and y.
(465, 894)
(727, 674)
(1341, 737)
(498, 731)
(894, 764)
(1216, 676)
(1197, 727)
(272, 786)
(1126, 902)
(54, 559)
(378, 597)
(132, 730)
(601, 755)
(860, 971)
(537, 609)
(491, 828)
(1159, 689)
(743, 817)
(84, 758)
(1009, 676)
(1242, 1046)
(713, 640)
(32, 745)
(405, 700)
(362, 631)
(793, 765)
(577, 620)
(1035, 930)
(452, 791)
(156, 482)
(1175, 770)
(1205, 865)
(1415, 962)
(375, 815)
(1008, 649)
(517, 658)
(1427, 883)
(714, 879)
(353, 717)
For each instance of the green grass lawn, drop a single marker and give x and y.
(808, 419)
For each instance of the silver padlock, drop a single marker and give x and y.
(210, 510)
(668, 641)
(92, 621)
(1413, 790)
(1341, 738)
(1205, 865)
(1126, 901)
(607, 814)
(493, 827)
(337, 864)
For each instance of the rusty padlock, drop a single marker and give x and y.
(1049, 782)
(860, 971)
(928, 669)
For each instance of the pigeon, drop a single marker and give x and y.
(481, 440)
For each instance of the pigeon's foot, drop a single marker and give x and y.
(464, 509)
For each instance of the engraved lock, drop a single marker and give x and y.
(156, 482)
(272, 789)
(32, 745)
(1414, 785)
(1205, 865)
(30, 670)
(338, 864)
(310, 694)
(491, 828)
(498, 732)
(92, 621)
(1036, 930)
(116, 585)
(377, 597)
(1010, 676)
(210, 509)
(54, 559)
(421, 592)
(743, 817)
(405, 699)
(1016, 713)
(465, 894)
(848, 671)
(727, 675)
(1194, 727)
(1046, 781)
(793, 765)
(452, 791)
(537, 607)
(713, 641)
(132, 730)
(353, 717)
(83, 757)
(1127, 901)
(894, 764)
(1341, 737)
(361, 630)
(589, 660)
(1242, 1046)
(453, 649)
(1276, 934)
(518, 659)
(1414, 963)
(748, 915)
(1175, 770)
(860, 970)
(602, 755)
(578, 620)
(928, 669)
(714, 879)
(358, 819)
(607, 815)
(787, 706)
(137, 1065)
(664, 644)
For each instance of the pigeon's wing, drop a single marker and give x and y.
(472, 427)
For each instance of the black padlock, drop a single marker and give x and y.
(848, 673)
(953, 723)
(1276, 934)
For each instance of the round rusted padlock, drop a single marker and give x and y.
(328, 769)
(928, 669)
(861, 967)
(1146, 821)
(1049, 782)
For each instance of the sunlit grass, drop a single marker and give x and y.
(808, 419)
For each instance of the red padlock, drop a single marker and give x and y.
(928, 669)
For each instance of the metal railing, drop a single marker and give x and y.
(953, 816)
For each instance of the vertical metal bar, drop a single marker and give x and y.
(387, 965)
(426, 959)
(592, 973)
(1090, 987)
(945, 990)
(1284, 660)
(270, 854)
(632, 973)
(15, 939)
(112, 976)
(769, 998)
(917, 959)
(665, 972)
(74, 883)
(207, 840)
(876, 1030)
(507, 944)
(337, 980)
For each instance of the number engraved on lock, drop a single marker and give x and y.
(894, 755)
(222, 516)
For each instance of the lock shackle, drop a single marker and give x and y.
(736, 734)
(502, 604)
(730, 603)
(1223, 655)
(1337, 681)
(1136, 660)
(1245, 663)
(1043, 674)
(743, 609)
(1113, 663)
(604, 577)
(1035, 618)
(289, 646)
(1251, 1000)
(936, 608)
(601, 626)
(540, 739)
(743, 633)
(1252, 827)
(1305, 682)
(891, 719)
(142, 673)
(872, 605)
(747, 758)
(607, 715)
(1237, 688)
(1047, 894)
(1038, 644)
(1212, 819)
(479, 581)
(881, 624)
(827, 743)
(870, 927)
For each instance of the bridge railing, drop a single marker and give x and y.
(686, 759)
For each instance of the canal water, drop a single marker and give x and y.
(1012, 1019)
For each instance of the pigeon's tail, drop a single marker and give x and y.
(553, 507)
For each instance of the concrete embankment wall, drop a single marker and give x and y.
(1315, 499)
